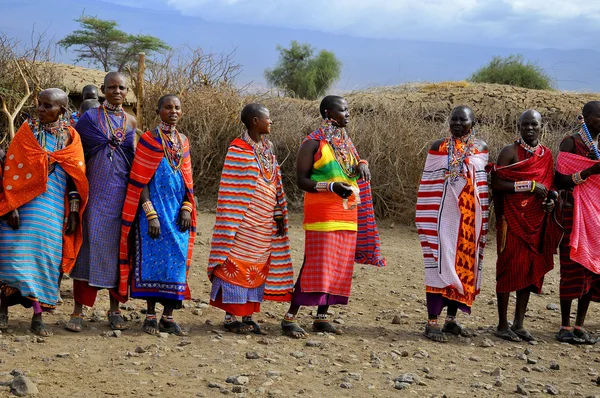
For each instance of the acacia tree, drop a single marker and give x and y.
(301, 74)
(101, 42)
(514, 71)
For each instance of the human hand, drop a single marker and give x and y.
(72, 223)
(280, 227)
(13, 219)
(540, 190)
(154, 228)
(342, 189)
(365, 173)
(184, 220)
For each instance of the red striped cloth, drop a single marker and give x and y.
(328, 262)
(148, 155)
(236, 190)
(520, 217)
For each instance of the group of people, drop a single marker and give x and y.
(84, 195)
(539, 208)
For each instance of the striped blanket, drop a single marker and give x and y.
(148, 156)
(236, 190)
(586, 222)
(439, 220)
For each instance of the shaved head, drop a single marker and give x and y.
(56, 95)
(530, 113)
(251, 111)
(466, 109)
(114, 75)
(328, 102)
(89, 92)
(592, 108)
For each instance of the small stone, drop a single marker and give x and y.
(397, 320)
(498, 383)
(346, 385)
(297, 354)
(526, 369)
(475, 359)
(184, 343)
(532, 361)
(163, 335)
(252, 355)
(540, 369)
(404, 354)
(550, 389)
(486, 343)
(401, 386)
(409, 378)
(528, 351)
(213, 384)
(355, 376)
(273, 373)
(116, 333)
(22, 386)
(338, 321)
(496, 372)
(196, 311)
(313, 343)
(554, 365)
(140, 350)
(238, 380)
(522, 357)
(238, 389)
(552, 307)
(63, 354)
(521, 390)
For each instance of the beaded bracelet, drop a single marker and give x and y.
(322, 186)
(151, 215)
(74, 195)
(362, 161)
(148, 207)
(523, 186)
(187, 206)
(577, 179)
(74, 205)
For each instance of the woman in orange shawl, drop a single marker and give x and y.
(43, 183)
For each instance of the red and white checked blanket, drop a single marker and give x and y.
(438, 217)
(585, 244)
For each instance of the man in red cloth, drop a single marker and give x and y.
(527, 231)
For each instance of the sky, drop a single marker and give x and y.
(380, 42)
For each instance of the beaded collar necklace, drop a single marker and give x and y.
(115, 134)
(172, 144)
(586, 137)
(458, 150)
(531, 149)
(264, 156)
(57, 129)
(340, 143)
(112, 108)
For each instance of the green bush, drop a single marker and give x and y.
(513, 71)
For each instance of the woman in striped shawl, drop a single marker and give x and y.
(250, 250)
(161, 251)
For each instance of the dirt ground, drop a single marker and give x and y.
(362, 363)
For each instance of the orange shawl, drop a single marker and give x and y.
(26, 177)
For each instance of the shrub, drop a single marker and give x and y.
(513, 71)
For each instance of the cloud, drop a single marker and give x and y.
(529, 23)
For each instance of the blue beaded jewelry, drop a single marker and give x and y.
(586, 137)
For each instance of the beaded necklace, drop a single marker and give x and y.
(340, 143)
(116, 135)
(172, 144)
(531, 149)
(57, 129)
(264, 156)
(586, 137)
(458, 150)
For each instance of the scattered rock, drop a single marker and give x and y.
(238, 380)
(297, 354)
(163, 335)
(526, 369)
(409, 378)
(401, 386)
(238, 389)
(475, 359)
(273, 373)
(496, 372)
(521, 390)
(196, 311)
(355, 376)
(486, 343)
(554, 365)
(220, 386)
(252, 355)
(338, 321)
(21, 386)
(116, 333)
(550, 389)
(397, 320)
(552, 307)
(63, 354)
(532, 361)
(346, 385)
(313, 343)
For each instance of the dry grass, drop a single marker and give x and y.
(391, 128)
